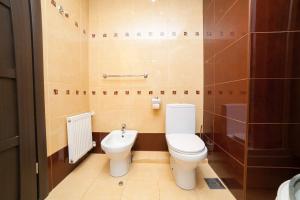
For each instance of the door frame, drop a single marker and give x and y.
(39, 100)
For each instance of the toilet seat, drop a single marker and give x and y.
(189, 144)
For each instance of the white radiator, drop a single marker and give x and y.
(80, 141)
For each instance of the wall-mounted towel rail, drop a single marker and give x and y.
(125, 75)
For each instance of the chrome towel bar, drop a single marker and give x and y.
(128, 75)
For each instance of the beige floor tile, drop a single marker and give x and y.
(143, 171)
(150, 157)
(105, 173)
(201, 184)
(164, 172)
(206, 171)
(214, 194)
(104, 190)
(91, 167)
(153, 181)
(169, 190)
(141, 190)
(71, 188)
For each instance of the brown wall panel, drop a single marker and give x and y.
(275, 55)
(209, 98)
(274, 119)
(232, 63)
(274, 101)
(208, 125)
(208, 28)
(232, 26)
(231, 100)
(221, 7)
(230, 135)
(228, 169)
(209, 72)
(226, 89)
(270, 15)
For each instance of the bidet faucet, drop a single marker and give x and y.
(123, 127)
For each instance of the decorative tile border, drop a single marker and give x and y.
(150, 34)
(127, 34)
(55, 91)
(53, 3)
(130, 92)
(68, 92)
(63, 12)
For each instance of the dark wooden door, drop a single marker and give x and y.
(18, 179)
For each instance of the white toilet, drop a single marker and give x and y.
(185, 147)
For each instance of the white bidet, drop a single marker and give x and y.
(117, 146)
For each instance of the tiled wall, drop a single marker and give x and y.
(65, 40)
(161, 38)
(226, 80)
(251, 118)
(274, 119)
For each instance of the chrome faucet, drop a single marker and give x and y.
(123, 127)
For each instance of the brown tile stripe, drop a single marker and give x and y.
(59, 167)
(144, 142)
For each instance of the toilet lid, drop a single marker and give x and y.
(185, 143)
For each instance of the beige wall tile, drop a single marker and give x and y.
(65, 67)
(76, 61)
(173, 63)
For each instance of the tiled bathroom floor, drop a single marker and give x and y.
(149, 178)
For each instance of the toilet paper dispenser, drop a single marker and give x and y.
(156, 103)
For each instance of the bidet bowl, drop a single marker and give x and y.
(117, 146)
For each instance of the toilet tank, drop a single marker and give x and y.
(180, 118)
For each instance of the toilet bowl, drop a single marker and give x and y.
(186, 152)
(117, 146)
(185, 147)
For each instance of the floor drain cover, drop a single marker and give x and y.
(121, 183)
(214, 183)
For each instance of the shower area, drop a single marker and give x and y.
(251, 93)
